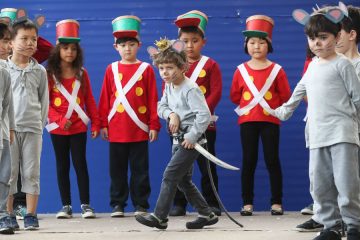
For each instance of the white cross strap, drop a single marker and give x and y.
(258, 96)
(73, 105)
(198, 68)
(121, 98)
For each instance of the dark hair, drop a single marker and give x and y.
(125, 39)
(319, 23)
(270, 47)
(191, 29)
(171, 56)
(4, 31)
(54, 63)
(24, 24)
(352, 22)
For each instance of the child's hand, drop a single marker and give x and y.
(187, 144)
(67, 125)
(94, 134)
(174, 123)
(153, 135)
(104, 134)
(12, 136)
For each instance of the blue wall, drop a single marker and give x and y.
(225, 45)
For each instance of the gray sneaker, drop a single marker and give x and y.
(309, 226)
(87, 211)
(308, 210)
(65, 212)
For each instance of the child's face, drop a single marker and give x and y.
(343, 45)
(128, 50)
(25, 42)
(194, 44)
(257, 48)
(5, 48)
(171, 73)
(68, 52)
(323, 45)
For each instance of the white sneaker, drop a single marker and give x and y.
(87, 211)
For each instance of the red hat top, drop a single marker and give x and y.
(67, 31)
(259, 26)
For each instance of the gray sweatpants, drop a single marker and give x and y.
(25, 153)
(178, 174)
(5, 171)
(334, 181)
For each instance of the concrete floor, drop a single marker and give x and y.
(259, 226)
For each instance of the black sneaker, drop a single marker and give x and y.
(353, 234)
(216, 210)
(202, 221)
(328, 234)
(65, 212)
(31, 222)
(151, 220)
(14, 224)
(140, 211)
(309, 226)
(117, 211)
(177, 211)
(5, 226)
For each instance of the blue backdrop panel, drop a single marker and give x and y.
(224, 44)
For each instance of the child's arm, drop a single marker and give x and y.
(282, 86)
(213, 98)
(236, 88)
(352, 84)
(8, 105)
(152, 100)
(90, 105)
(44, 97)
(197, 104)
(163, 109)
(104, 103)
(285, 111)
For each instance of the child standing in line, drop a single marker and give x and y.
(184, 106)
(128, 116)
(332, 88)
(72, 106)
(206, 73)
(259, 85)
(30, 89)
(8, 15)
(347, 45)
(6, 138)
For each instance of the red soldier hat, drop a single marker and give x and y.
(126, 26)
(193, 18)
(67, 31)
(259, 26)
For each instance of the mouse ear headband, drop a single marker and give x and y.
(21, 16)
(164, 44)
(334, 14)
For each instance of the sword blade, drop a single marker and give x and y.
(212, 158)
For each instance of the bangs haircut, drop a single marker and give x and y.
(319, 23)
(26, 24)
(170, 56)
(191, 29)
(270, 47)
(5, 31)
(126, 39)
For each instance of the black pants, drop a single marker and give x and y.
(137, 154)
(64, 145)
(207, 191)
(270, 137)
(19, 197)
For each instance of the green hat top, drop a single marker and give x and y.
(126, 26)
(193, 18)
(8, 13)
